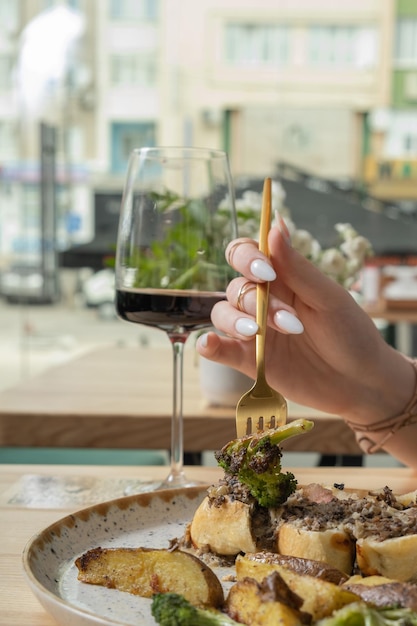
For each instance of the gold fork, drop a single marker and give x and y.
(261, 407)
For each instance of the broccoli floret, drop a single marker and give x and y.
(172, 609)
(360, 614)
(256, 462)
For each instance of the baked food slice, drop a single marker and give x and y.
(330, 545)
(394, 558)
(374, 532)
(225, 530)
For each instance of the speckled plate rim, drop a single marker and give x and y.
(48, 543)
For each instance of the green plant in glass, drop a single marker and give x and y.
(188, 256)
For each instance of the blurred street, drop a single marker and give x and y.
(33, 338)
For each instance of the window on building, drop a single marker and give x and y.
(342, 46)
(133, 70)
(405, 50)
(401, 135)
(133, 9)
(256, 44)
(125, 137)
(410, 144)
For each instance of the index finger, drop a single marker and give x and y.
(245, 257)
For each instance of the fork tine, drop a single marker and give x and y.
(259, 409)
(257, 424)
(250, 425)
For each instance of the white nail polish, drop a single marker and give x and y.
(288, 322)
(246, 327)
(262, 270)
(203, 340)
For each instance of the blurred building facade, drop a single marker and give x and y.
(328, 87)
(390, 164)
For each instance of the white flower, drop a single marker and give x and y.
(333, 263)
(305, 243)
(249, 200)
(342, 263)
(346, 231)
(356, 248)
(350, 258)
(248, 228)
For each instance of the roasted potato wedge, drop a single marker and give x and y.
(254, 604)
(369, 581)
(144, 571)
(389, 594)
(305, 567)
(320, 597)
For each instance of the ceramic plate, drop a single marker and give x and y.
(148, 520)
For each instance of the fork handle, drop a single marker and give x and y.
(265, 223)
(262, 289)
(262, 294)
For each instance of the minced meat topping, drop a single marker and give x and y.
(231, 487)
(378, 515)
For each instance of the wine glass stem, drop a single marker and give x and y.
(177, 438)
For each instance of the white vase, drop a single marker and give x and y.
(222, 385)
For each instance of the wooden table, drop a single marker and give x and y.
(18, 523)
(121, 398)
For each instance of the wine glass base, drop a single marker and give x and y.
(172, 481)
(179, 481)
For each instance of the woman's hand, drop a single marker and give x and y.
(323, 350)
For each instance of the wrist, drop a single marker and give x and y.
(394, 406)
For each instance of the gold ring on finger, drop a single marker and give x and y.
(232, 250)
(245, 288)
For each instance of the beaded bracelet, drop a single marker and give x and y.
(392, 424)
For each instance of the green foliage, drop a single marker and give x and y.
(172, 609)
(256, 461)
(189, 254)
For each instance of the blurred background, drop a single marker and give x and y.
(320, 95)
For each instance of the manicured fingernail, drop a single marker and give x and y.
(246, 327)
(203, 340)
(288, 322)
(262, 270)
(284, 229)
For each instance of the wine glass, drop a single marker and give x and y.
(177, 217)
